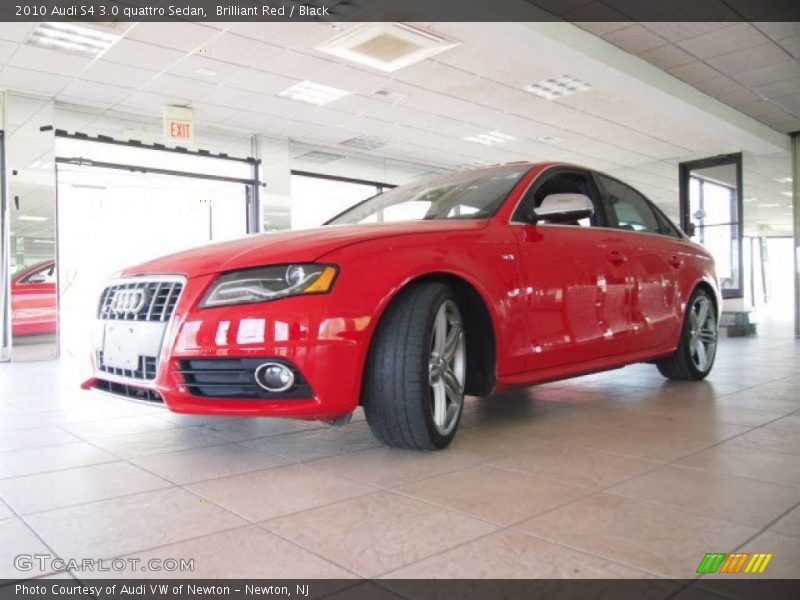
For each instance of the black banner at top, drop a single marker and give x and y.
(400, 10)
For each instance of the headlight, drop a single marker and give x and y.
(269, 283)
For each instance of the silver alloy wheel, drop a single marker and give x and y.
(702, 333)
(447, 368)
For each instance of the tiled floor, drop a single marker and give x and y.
(620, 474)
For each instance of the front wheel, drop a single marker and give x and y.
(697, 348)
(413, 389)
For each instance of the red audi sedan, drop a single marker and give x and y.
(468, 283)
(34, 300)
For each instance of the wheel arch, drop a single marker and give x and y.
(479, 326)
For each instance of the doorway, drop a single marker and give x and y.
(114, 216)
(711, 214)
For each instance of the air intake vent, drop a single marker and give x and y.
(365, 142)
(386, 46)
(319, 157)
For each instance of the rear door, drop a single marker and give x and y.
(574, 279)
(655, 261)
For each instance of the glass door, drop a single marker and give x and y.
(711, 207)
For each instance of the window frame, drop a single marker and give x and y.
(600, 215)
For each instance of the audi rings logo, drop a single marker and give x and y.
(128, 302)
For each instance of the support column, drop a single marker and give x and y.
(276, 175)
(796, 219)
(5, 276)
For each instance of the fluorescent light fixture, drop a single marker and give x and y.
(552, 139)
(37, 241)
(206, 72)
(70, 37)
(313, 93)
(31, 218)
(784, 180)
(787, 194)
(769, 205)
(750, 199)
(493, 138)
(557, 87)
(385, 46)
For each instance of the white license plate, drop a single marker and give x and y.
(120, 347)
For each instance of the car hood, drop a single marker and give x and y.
(305, 245)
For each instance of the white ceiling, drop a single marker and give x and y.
(231, 73)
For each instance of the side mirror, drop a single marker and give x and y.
(690, 229)
(561, 208)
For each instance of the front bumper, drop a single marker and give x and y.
(317, 336)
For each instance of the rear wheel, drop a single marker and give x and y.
(413, 390)
(697, 348)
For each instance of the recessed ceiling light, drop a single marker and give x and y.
(365, 142)
(31, 218)
(69, 37)
(313, 93)
(386, 46)
(206, 72)
(493, 138)
(551, 139)
(389, 95)
(557, 87)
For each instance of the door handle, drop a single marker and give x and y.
(615, 257)
(674, 261)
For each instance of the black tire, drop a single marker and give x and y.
(396, 392)
(682, 366)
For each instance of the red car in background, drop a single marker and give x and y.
(34, 300)
(468, 283)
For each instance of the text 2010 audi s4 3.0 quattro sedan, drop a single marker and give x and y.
(467, 283)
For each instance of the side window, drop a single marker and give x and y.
(43, 275)
(629, 208)
(667, 226)
(563, 182)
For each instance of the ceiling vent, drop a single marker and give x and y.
(318, 157)
(556, 87)
(385, 46)
(365, 142)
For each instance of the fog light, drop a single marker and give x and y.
(274, 377)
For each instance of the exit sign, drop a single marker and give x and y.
(178, 124)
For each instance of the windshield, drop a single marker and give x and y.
(473, 195)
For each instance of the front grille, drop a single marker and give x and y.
(129, 391)
(161, 297)
(145, 370)
(234, 378)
